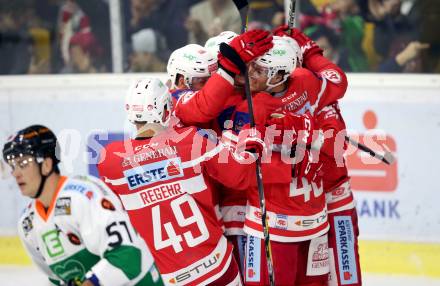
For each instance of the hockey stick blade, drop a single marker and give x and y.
(388, 157)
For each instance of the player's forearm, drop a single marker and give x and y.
(207, 103)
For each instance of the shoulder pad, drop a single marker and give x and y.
(302, 72)
(78, 186)
(91, 184)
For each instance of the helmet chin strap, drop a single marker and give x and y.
(43, 181)
(272, 86)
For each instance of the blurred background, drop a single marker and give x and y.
(79, 36)
(67, 64)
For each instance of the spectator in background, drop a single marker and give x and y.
(393, 30)
(342, 16)
(72, 20)
(327, 40)
(352, 33)
(40, 51)
(211, 17)
(17, 19)
(426, 15)
(407, 59)
(98, 13)
(84, 54)
(166, 17)
(145, 44)
(265, 14)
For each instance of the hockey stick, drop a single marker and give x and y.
(243, 7)
(291, 20)
(387, 157)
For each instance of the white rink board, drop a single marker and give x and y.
(407, 109)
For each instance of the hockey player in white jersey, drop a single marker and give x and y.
(74, 229)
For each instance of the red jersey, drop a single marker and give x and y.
(163, 184)
(295, 207)
(212, 107)
(328, 117)
(334, 170)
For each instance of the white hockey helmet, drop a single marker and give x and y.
(148, 101)
(285, 55)
(191, 61)
(213, 43)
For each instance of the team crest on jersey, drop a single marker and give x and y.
(106, 204)
(27, 223)
(332, 76)
(281, 222)
(338, 192)
(155, 172)
(63, 206)
(73, 238)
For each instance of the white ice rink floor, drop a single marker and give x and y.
(24, 276)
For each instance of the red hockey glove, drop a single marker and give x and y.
(251, 140)
(252, 44)
(300, 133)
(307, 166)
(308, 46)
(247, 46)
(295, 129)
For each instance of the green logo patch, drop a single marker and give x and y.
(279, 52)
(69, 269)
(189, 57)
(53, 243)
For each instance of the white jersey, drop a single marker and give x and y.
(85, 231)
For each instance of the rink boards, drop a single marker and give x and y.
(397, 205)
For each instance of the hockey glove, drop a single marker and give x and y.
(308, 46)
(250, 139)
(295, 129)
(243, 49)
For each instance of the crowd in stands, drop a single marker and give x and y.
(73, 36)
(54, 36)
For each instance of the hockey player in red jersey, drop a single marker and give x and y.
(307, 200)
(164, 178)
(223, 87)
(233, 202)
(344, 230)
